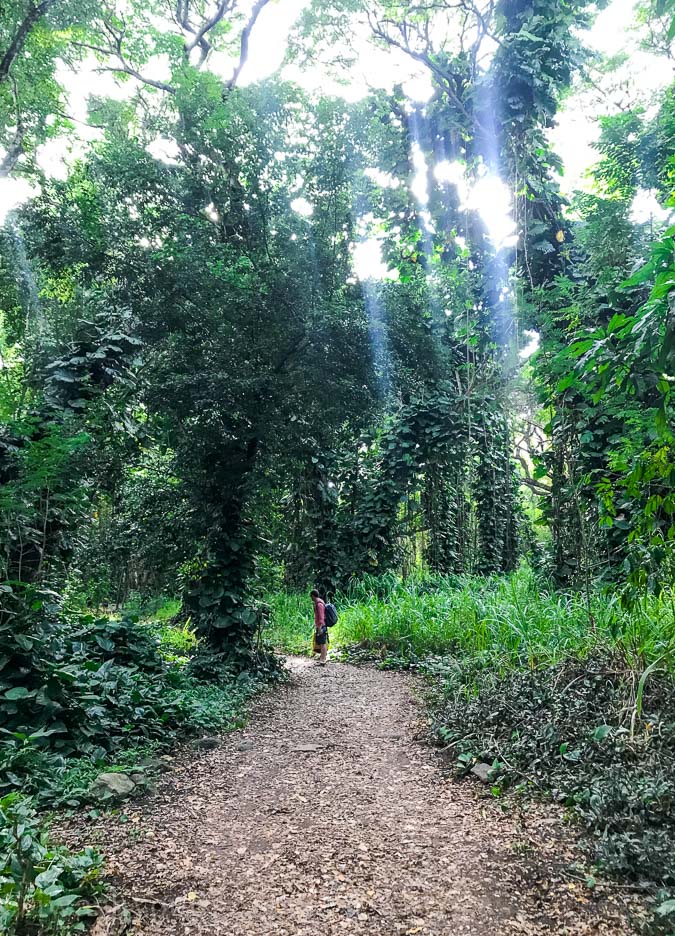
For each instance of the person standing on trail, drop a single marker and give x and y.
(320, 629)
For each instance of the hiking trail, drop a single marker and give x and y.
(329, 814)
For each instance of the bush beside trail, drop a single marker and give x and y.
(85, 697)
(44, 888)
(78, 690)
(580, 732)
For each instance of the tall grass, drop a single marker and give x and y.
(516, 619)
(291, 622)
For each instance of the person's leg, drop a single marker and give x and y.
(324, 652)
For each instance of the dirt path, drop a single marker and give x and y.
(286, 830)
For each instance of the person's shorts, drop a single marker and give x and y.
(321, 639)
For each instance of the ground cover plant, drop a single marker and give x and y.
(80, 692)
(595, 734)
(43, 887)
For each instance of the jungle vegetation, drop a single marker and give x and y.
(209, 403)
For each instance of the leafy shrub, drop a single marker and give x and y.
(591, 734)
(211, 707)
(176, 642)
(84, 686)
(81, 687)
(43, 888)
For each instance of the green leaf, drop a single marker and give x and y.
(566, 382)
(661, 421)
(18, 692)
(666, 908)
(24, 642)
(601, 732)
(66, 901)
(48, 877)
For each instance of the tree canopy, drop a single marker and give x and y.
(203, 386)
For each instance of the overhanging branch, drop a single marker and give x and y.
(445, 79)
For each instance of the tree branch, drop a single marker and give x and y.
(12, 155)
(15, 149)
(124, 69)
(296, 346)
(425, 58)
(245, 36)
(534, 485)
(225, 6)
(19, 40)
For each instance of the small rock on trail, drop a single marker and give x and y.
(117, 784)
(326, 816)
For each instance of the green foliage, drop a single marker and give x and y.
(33, 38)
(291, 622)
(576, 731)
(43, 888)
(199, 398)
(77, 686)
(603, 372)
(514, 619)
(39, 508)
(417, 490)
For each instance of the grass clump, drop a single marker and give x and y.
(516, 619)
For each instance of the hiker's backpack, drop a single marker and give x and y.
(331, 617)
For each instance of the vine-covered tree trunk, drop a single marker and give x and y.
(217, 598)
(328, 572)
(218, 595)
(495, 496)
(439, 502)
(564, 514)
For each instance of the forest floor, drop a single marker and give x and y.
(330, 814)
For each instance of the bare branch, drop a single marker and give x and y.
(225, 6)
(245, 37)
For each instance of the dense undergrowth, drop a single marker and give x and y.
(565, 695)
(82, 695)
(81, 689)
